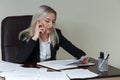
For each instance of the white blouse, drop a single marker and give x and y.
(45, 52)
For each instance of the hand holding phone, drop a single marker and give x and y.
(39, 29)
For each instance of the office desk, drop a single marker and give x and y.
(112, 72)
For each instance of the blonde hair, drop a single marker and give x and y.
(41, 13)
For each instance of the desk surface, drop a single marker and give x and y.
(112, 71)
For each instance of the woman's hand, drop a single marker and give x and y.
(85, 59)
(38, 29)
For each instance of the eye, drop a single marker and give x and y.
(53, 22)
(47, 21)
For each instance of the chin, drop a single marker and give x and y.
(48, 31)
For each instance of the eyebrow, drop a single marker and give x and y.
(50, 19)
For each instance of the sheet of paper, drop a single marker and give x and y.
(33, 74)
(77, 63)
(8, 66)
(58, 64)
(22, 73)
(12, 75)
(79, 73)
(53, 76)
(61, 62)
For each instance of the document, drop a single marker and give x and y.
(13, 71)
(33, 74)
(77, 63)
(53, 76)
(63, 64)
(79, 73)
(8, 66)
(15, 75)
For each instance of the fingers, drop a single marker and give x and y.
(39, 24)
(42, 30)
(85, 59)
(40, 27)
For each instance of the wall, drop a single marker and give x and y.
(92, 25)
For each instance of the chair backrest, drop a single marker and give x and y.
(10, 28)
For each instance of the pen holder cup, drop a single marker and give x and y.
(102, 64)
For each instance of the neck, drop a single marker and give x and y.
(44, 37)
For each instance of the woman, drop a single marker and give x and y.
(41, 40)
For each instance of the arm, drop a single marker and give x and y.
(28, 51)
(69, 47)
(25, 50)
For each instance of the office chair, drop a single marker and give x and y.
(10, 28)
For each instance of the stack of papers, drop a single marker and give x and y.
(33, 74)
(13, 71)
(79, 73)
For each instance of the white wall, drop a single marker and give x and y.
(92, 25)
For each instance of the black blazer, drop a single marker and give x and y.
(29, 51)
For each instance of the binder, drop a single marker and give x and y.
(63, 64)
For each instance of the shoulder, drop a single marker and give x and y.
(58, 31)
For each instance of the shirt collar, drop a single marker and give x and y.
(48, 42)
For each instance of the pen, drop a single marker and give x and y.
(101, 55)
(103, 61)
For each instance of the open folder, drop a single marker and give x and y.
(63, 64)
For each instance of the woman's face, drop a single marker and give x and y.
(48, 22)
